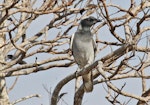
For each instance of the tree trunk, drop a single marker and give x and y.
(4, 99)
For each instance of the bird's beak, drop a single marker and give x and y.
(98, 20)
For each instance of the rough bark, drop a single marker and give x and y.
(4, 100)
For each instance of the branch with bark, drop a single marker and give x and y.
(124, 36)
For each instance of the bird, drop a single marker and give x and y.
(84, 49)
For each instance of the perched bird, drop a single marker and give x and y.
(83, 48)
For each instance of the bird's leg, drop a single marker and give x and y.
(77, 82)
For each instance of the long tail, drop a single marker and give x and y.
(88, 82)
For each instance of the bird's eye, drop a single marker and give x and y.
(91, 20)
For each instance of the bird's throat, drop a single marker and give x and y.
(83, 28)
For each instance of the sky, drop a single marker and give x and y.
(33, 83)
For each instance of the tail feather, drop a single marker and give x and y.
(88, 82)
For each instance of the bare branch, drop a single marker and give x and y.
(13, 85)
(25, 98)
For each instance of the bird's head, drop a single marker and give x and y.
(88, 22)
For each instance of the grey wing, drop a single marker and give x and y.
(71, 41)
(94, 46)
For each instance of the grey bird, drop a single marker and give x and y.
(84, 48)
